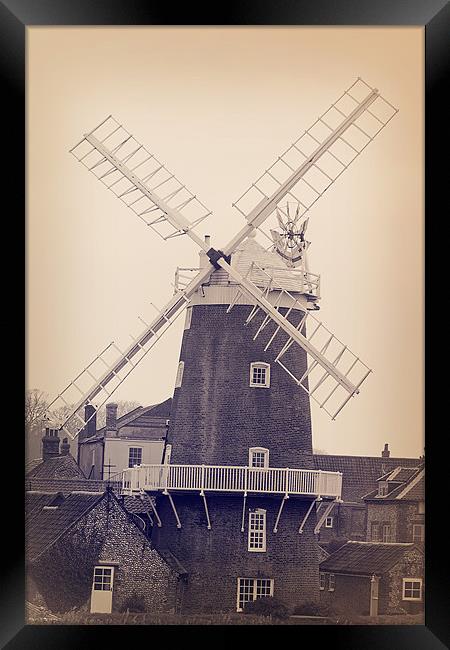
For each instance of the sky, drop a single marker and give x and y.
(218, 105)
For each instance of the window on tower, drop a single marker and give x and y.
(187, 322)
(259, 375)
(258, 457)
(257, 530)
(179, 377)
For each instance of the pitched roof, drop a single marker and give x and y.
(359, 473)
(366, 558)
(250, 251)
(58, 467)
(49, 516)
(138, 505)
(412, 488)
(147, 417)
(31, 463)
(398, 475)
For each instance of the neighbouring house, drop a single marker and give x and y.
(58, 471)
(348, 519)
(85, 552)
(371, 578)
(136, 438)
(396, 509)
(56, 462)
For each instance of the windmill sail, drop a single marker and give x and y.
(301, 174)
(139, 180)
(334, 374)
(103, 376)
(319, 156)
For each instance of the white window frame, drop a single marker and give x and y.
(389, 527)
(264, 366)
(374, 526)
(254, 587)
(422, 533)
(257, 524)
(412, 598)
(180, 372)
(102, 568)
(187, 322)
(322, 581)
(129, 456)
(331, 582)
(258, 450)
(329, 525)
(382, 489)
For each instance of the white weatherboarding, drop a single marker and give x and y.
(298, 178)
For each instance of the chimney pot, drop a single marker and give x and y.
(65, 447)
(50, 444)
(111, 417)
(385, 453)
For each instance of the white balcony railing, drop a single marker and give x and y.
(229, 478)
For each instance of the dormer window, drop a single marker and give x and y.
(382, 489)
(259, 375)
(258, 457)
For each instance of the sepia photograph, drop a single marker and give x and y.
(225, 332)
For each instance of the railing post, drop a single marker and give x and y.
(319, 483)
(286, 479)
(203, 480)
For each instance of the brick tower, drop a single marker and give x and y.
(235, 410)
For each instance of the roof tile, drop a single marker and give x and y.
(365, 558)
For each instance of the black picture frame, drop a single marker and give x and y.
(15, 17)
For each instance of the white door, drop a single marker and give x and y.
(102, 590)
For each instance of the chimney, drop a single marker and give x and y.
(91, 427)
(111, 418)
(385, 453)
(65, 447)
(50, 444)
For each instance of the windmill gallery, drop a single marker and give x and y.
(235, 498)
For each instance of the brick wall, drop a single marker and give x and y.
(216, 415)
(351, 594)
(391, 585)
(383, 513)
(400, 515)
(216, 558)
(62, 577)
(91, 454)
(349, 522)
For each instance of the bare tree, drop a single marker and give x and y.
(36, 404)
(36, 414)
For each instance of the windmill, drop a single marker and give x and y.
(252, 357)
(300, 175)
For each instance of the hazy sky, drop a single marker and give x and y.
(217, 105)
